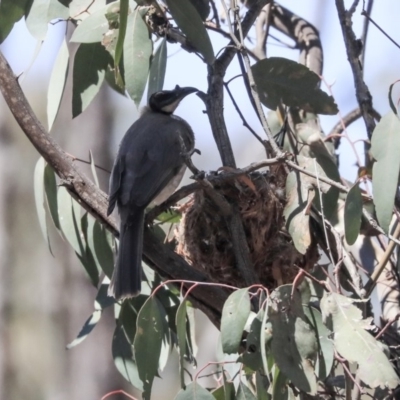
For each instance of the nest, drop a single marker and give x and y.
(204, 240)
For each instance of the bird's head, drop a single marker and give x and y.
(167, 101)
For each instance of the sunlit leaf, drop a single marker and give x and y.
(90, 64)
(282, 80)
(385, 148)
(235, 312)
(50, 187)
(352, 214)
(189, 21)
(138, 48)
(69, 221)
(244, 393)
(181, 335)
(38, 183)
(102, 301)
(57, 83)
(194, 391)
(355, 344)
(41, 13)
(92, 28)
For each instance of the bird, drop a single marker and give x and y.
(149, 166)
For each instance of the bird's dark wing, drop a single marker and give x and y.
(151, 157)
(115, 183)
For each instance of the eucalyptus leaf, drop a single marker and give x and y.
(50, 187)
(57, 83)
(41, 13)
(244, 393)
(235, 313)
(157, 69)
(194, 391)
(181, 335)
(294, 345)
(138, 48)
(385, 148)
(355, 344)
(38, 184)
(147, 343)
(124, 359)
(102, 301)
(93, 28)
(90, 64)
(11, 11)
(352, 214)
(189, 21)
(282, 80)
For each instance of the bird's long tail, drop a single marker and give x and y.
(127, 277)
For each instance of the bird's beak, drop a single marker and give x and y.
(184, 91)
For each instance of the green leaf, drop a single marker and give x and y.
(148, 341)
(280, 390)
(50, 187)
(325, 355)
(194, 391)
(352, 214)
(301, 190)
(235, 312)
(251, 357)
(170, 216)
(181, 335)
(69, 221)
(385, 148)
(82, 9)
(355, 344)
(93, 28)
(87, 258)
(294, 345)
(123, 18)
(123, 358)
(202, 7)
(189, 21)
(90, 64)
(38, 183)
(102, 301)
(282, 80)
(57, 83)
(11, 11)
(138, 48)
(102, 244)
(41, 13)
(157, 69)
(244, 393)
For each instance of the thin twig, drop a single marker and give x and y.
(365, 31)
(245, 123)
(379, 28)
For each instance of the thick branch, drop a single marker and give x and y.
(209, 299)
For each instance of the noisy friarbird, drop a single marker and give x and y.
(148, 168)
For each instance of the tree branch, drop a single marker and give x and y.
(209, 299)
